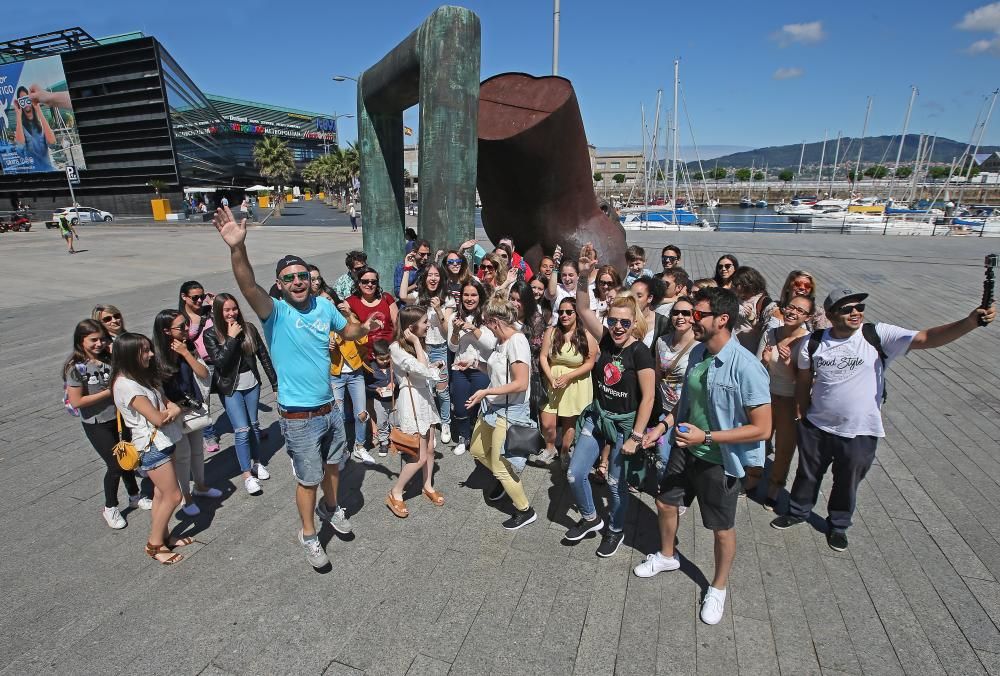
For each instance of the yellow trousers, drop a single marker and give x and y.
(487, 447)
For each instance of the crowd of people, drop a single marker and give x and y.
(662, 382)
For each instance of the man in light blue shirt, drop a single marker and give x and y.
(722, 420)
(297, 329)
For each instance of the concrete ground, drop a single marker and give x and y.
(447, 590)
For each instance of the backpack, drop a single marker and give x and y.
(72, 410)
(870, 334)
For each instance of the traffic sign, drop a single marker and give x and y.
(72, 175)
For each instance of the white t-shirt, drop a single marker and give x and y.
(125, 390)
(848, 382)
(437, 332)
(514, 349)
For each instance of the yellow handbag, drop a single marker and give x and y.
(125, 452)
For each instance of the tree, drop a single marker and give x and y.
(786, 175)
(698, 176)
(939, 172)
(618, 178)
(851, 175)
(743, 174)
(904, 172)
(718, 173)
(876, 171)
(759, 176)
(598, 177)
(274, 160)
(158, 185)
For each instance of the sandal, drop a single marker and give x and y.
(156, 551)
(180, 542)
(397, 507)
(434, 496)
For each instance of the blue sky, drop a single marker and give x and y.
(754, 74)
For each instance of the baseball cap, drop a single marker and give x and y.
(285, 261)
(837, 296)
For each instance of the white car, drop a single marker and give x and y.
(78, 215)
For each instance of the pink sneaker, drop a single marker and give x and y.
(211, 447)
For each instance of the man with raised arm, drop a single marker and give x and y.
(297, 329)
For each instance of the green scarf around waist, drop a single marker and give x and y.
(608, 425)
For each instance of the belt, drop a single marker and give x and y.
(301, 415)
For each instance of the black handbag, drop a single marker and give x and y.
(521, 440)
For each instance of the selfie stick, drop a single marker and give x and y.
(989, 283)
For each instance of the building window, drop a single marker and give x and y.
(600, 165)
(631, 165)
(616, 165)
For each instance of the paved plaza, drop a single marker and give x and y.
(449, 591)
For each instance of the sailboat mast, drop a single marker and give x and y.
(916, 167)
(822, 158)
(833, 172)
(861, 145)
(802, 154)
(902, 138)
(982, 130)
(673, 186)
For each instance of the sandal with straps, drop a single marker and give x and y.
(155, 551)
(397, 507)
(180, 542)
(434, 496)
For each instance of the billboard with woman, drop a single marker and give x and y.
(38, 130)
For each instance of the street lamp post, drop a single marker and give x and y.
(326, 146)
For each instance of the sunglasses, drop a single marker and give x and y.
(680, 313)
(698, 315)
(454, 261)
(848, 309)
(487, 267)
(368, 282)
(110, 318)
(606, 282)
(292, 276)
(197, 298)
(182, 327)
(790, 309)
(668, 259)
(726, 266)
(567, 313)
(614, 321)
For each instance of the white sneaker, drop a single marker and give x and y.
(361, 454)
(252, 485)
(713, 605)
(459, 447)
(315, 555)
(140, 501)
(445, 434)
(210, 493)
(191, 509)
(261, 471)
(656, 563)
(114, 518)
(545, 457)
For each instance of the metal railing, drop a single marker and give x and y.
(847, 225)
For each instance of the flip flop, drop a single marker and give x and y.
(397, 507)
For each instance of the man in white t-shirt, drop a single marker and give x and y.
(839, 391)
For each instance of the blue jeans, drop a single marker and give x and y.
(313, 443)
(354, 383)
(441, 396)
(241, 407)
(588, 448)
(463, 384)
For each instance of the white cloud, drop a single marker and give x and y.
(985, 18)
(787, 73)
(985, 47)
(802, 33)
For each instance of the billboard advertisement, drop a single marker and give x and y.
(38, 130)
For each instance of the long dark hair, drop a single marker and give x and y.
(477, 316)
(464, 274)
(33, 122)
(125, 361)
(185, 289)
(361, 273)
(424, 294)
(78, 356)
(218, 322)
(736, 266)
(529, 307)
(166, 359)
(578, 339)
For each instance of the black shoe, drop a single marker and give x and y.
(837, 541)
(786, 521)
(497, 493)
(583, 528)
(610, 543)
(770, 504)
(520, 519)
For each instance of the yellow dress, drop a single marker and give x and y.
(578, 394)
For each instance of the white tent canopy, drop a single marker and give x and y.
(258, 188)
(201, 189)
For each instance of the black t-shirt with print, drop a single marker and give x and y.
(616, 380)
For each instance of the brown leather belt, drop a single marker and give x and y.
(302, 415)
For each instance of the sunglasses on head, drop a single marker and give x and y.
(848, 309)
(615, 321)
(292, 276)
(109, 318)
(567, 313)
(698, 315)
(680, 313)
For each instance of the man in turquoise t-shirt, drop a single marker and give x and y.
(297, 329)
(722, 419)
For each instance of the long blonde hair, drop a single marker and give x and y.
(629, 302)
(499, 267)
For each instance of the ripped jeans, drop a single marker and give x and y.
(588, 448)
(241, 407)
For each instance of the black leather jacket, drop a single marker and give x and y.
(228, 358)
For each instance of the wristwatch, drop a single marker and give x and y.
(708, 437)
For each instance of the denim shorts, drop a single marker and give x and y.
(155, 457)
(314, 442)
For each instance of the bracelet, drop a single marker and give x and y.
(635, 437)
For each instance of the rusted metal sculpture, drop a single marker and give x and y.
(438, 67)
(535, 179)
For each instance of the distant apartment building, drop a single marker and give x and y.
(610, 163)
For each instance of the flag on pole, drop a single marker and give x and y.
(407, 131)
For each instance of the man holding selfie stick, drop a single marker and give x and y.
(840, 390)
(297, 329)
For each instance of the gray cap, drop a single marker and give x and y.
(837, 296)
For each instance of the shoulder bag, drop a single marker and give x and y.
(400, 441)
(521, 440)
(125, 452)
